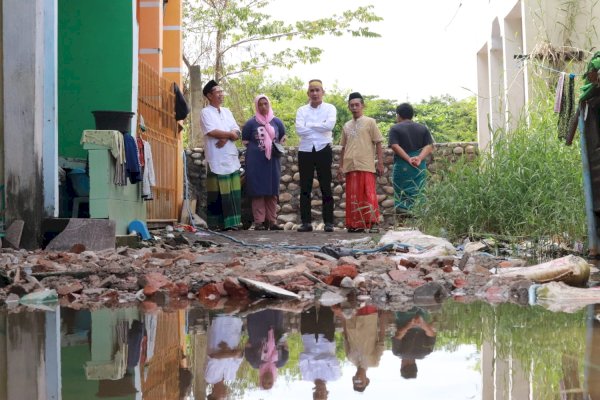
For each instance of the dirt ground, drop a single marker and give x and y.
(314, 238)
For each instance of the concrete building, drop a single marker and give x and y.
(63, 59)
(526, 29)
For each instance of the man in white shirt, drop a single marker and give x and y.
(318, 361)
(314, 125)
(223, 189)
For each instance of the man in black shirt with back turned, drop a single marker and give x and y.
(411, 143)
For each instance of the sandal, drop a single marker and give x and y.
(274, 227)
(374, 229)
(260, 227)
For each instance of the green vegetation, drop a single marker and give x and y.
(528, 184)
(538, 339)
(448, 119)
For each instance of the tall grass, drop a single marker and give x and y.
(529, 184)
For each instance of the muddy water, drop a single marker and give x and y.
(449, 351)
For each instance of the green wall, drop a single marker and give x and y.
(95, 65)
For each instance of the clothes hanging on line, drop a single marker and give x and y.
(132, 161)
(149, 178)
(115, 142)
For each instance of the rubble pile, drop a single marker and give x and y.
(181, 271)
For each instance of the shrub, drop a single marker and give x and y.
(529, 184)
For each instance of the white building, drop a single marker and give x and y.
(520, 28)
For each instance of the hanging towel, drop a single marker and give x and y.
(149, 177)
(558, 97)
(120, 178)
(567, 108)
(140, 146)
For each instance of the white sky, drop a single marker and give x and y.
(423, 51)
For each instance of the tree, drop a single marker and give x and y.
(448, 119)
(215, 30)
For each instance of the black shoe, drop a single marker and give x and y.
(328, 228)
(272, 226)
(260, 227)
(305, 228)
(355, 230)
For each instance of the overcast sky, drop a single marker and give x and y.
(427, 47)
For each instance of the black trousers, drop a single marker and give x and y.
(318, 322)
(308, 162)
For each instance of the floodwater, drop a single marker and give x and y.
(279, 351)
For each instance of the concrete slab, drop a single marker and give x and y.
(14, 232)
(94, 234)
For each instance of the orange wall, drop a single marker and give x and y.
(172, 39)
(151, 40)
(160, 37)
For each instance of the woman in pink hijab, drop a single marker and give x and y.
(266, 348)
(263, 167)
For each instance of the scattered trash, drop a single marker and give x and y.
(267, 289)
(43, 296)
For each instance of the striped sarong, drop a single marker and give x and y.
(408, 182)
(223, 200)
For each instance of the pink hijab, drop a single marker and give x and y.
(269, 357)
(265, 121)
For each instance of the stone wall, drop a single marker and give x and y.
(289, 197)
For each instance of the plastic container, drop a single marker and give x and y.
(113, 120)
(80, 182)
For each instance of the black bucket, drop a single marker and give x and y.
(113, 120)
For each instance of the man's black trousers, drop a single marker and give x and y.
(308, 162)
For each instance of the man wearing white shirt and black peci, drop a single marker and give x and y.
(314, 125)
(223, 188)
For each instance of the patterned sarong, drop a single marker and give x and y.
(362, 210)
(408, 181)
(223, 200)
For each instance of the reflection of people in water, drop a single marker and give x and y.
(318, 362)
(413, 340)
(224, 354)
(267, 347)
(364, 341)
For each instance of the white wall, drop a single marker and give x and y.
(517, 27)
(25, 125)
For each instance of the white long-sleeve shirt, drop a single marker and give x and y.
(224, 160)
(318, 360)
(314, 126)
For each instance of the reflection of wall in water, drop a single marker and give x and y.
(162, 376)
(29, 356)
(503, 377)
(592, 373)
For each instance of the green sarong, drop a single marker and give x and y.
(223, 200)
(408, 181)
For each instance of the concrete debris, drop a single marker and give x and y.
(222, 274)
(329, 299)
(93, 234)
(571, 269)
(14, 232)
